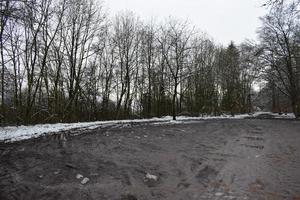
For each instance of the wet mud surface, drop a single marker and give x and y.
(213, 159)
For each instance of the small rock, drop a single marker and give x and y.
(151, 177)
(40, 176)
(57, 172)
(85, 180)
(219, 194)
(79, 176)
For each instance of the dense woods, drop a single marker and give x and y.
(68, 61)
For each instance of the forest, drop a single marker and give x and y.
(70, 61)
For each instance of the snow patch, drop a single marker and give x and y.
(19, 133)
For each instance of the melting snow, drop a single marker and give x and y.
(18, 133)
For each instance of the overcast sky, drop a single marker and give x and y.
(224, 20)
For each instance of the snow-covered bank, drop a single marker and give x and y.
(18, 133)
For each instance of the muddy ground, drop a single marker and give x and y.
(212, 159)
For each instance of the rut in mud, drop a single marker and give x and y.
(213, 159)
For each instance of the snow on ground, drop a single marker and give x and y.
(18, 133)
(284, 116)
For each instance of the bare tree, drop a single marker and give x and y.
(175, 43)
(149, 60)
(81, 26)
(5, 12)
(126, 40)
(280, 39)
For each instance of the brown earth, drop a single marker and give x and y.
(212, 159)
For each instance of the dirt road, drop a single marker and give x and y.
(213, 159)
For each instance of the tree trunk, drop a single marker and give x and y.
(174, 100)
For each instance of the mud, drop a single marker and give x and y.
(214, 159)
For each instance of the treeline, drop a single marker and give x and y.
(280, 56)
(67, 61)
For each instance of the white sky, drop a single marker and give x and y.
(224, 20)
